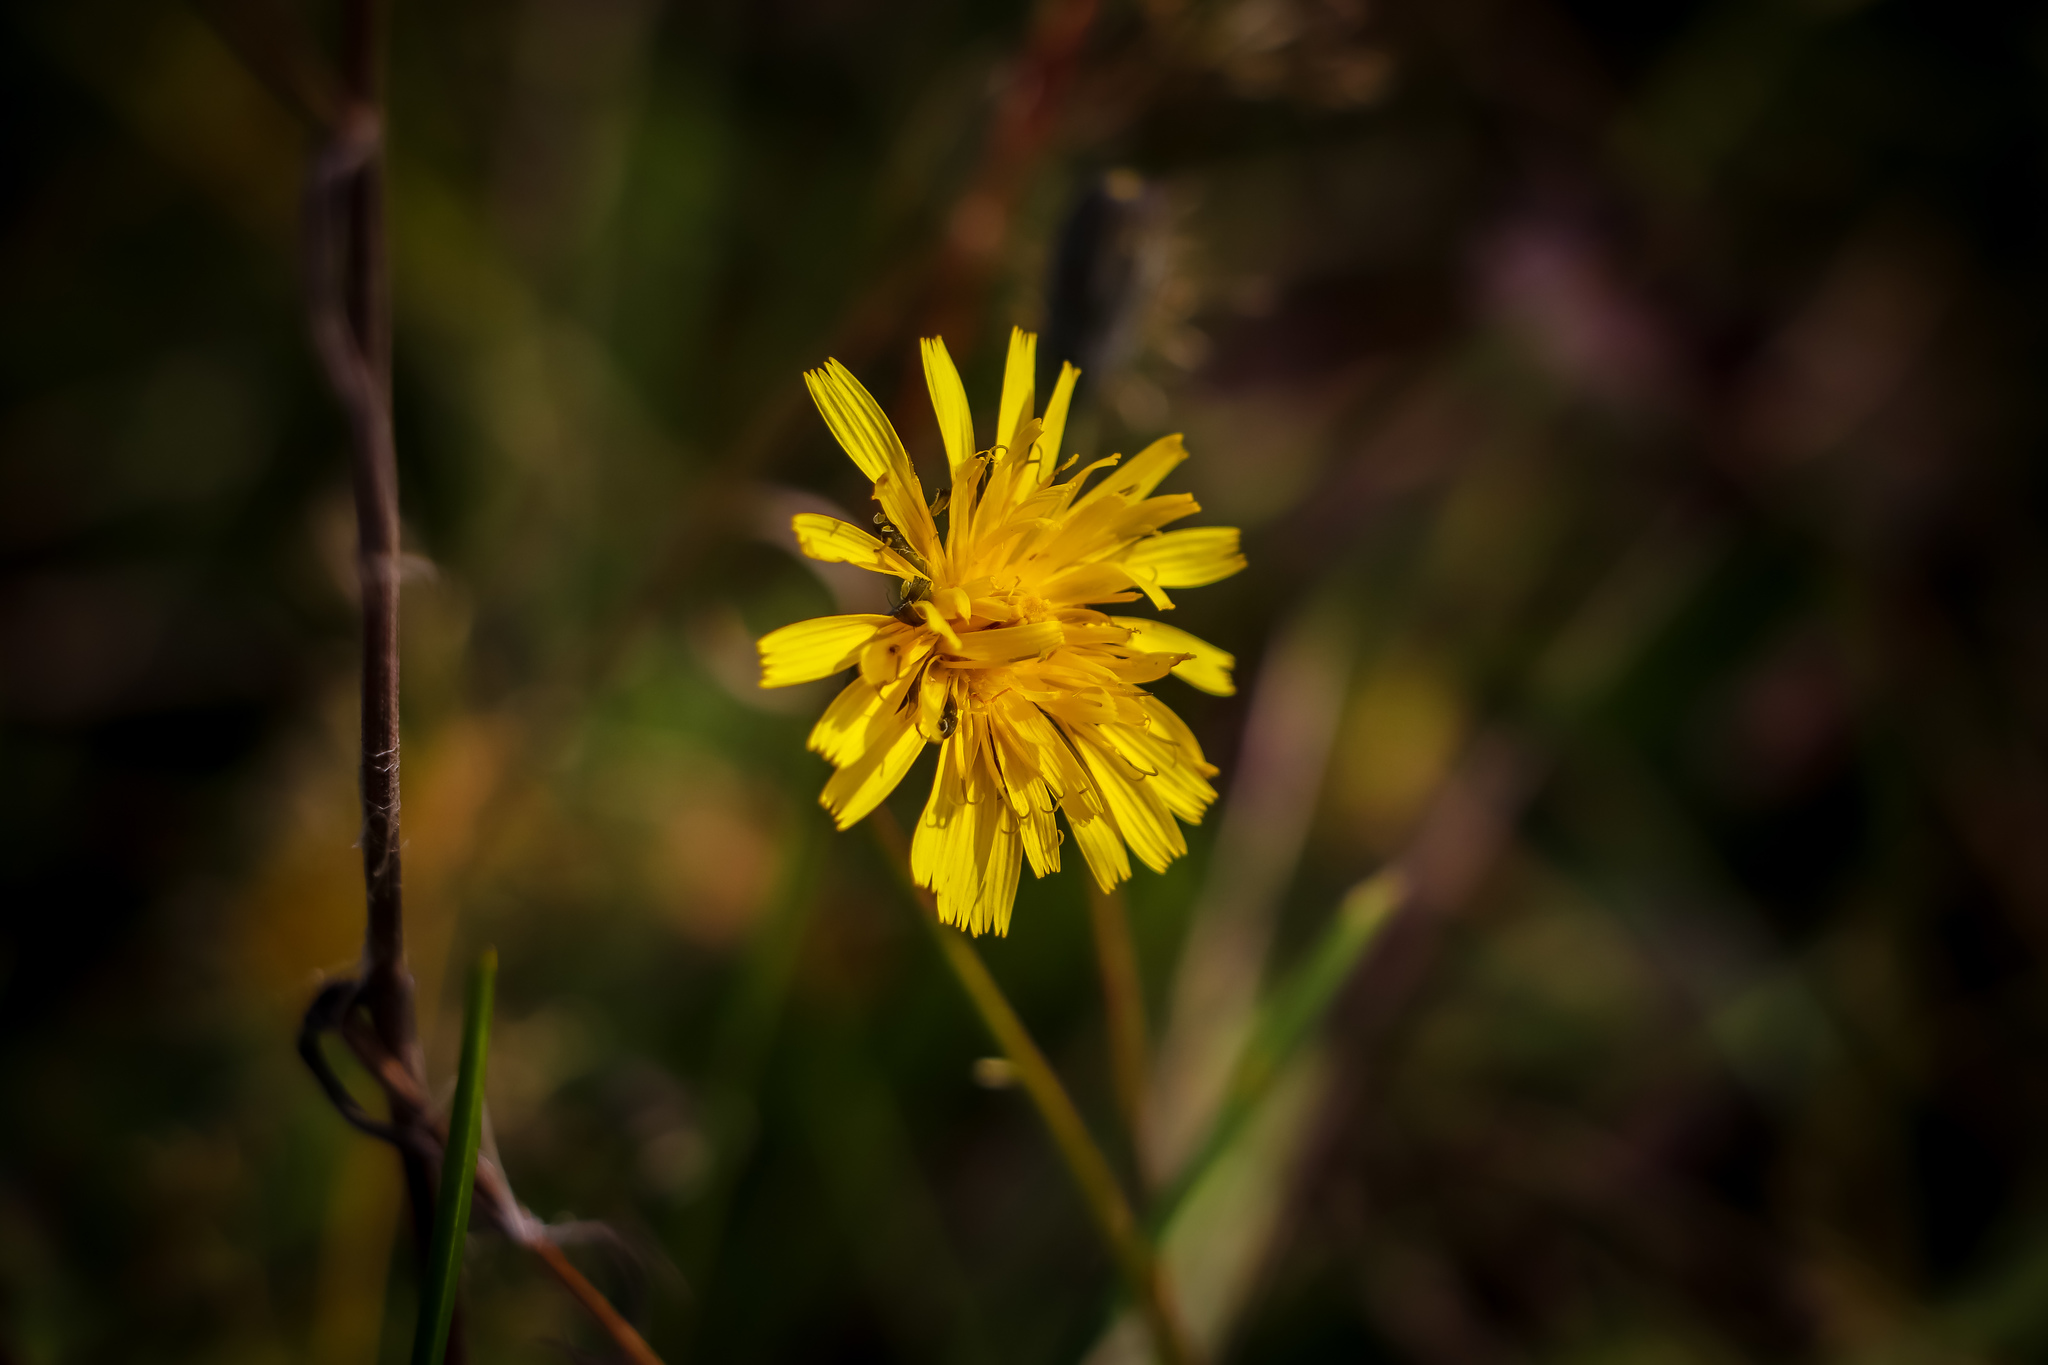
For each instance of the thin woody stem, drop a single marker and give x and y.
(345, 268)
(1135, 1256)
(1123, 1001)
(348, 289)
(366, 388)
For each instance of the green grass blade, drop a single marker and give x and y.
(1289, 1016)
(443, 1271)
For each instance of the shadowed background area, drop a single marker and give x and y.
(1634, 417)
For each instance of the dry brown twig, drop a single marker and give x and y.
(347, 291)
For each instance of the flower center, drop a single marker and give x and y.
(985, 604)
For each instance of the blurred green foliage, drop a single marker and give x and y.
(1633, 413)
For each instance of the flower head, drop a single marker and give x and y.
(995, 650)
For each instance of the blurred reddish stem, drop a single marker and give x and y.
(1135, 1255)
(976, 229)
(1023, 126)
(938, 290)
(274, 45)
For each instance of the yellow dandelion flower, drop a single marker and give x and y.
(996, 651)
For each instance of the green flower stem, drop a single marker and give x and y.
(443, 1270)
(1085, 1162)
(1092, 1176)
(1123, 999)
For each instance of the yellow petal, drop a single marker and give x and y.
(1100, 847)
(1138, 668)
(928, 844)
(1166, 770)
(1087, 533)
(856, 420)
(1007, 644)
(1024, 440)
(967, 842)
(1012, 478)
(814, 649)
(1104, 630)
(1018, 379)
(863, 431)
(838, 542)
(949, 400)
(1047, 452)
(1078, 710)
(997, 846)
(1147, 581)
(1146, 516)
(892, 746)
(1015, 766)
(992, 609)
(1074, 485)
(1079, 800)
(931, 708)
(936, 619)
(837, 733)
(1141, 817)
(1207, 667)
(1088, 583)
(1139, 475)
(1034, 744)
(1163, 719)
(1187, 559)
(1143, 471)
(1041, 835)
(884, 658)
(966, 490)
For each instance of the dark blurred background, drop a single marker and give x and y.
(1634, 416)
